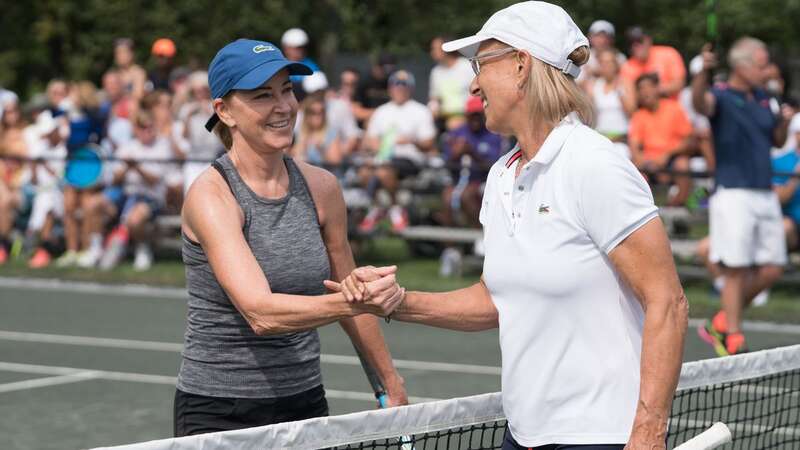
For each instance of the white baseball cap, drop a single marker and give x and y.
(602, 26)
(317, 81)
(294, 37)
(546, 31)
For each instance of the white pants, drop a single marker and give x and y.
(46, 201)
(746, 228)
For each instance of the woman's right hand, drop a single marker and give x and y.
(374, 288)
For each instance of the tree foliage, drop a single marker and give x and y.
(41, 39)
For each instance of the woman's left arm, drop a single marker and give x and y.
(644, 260)
(363, 330)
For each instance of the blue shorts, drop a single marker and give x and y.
(115, 195)
(133, 200)
(510, 444)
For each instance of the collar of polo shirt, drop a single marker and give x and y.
(551, 145)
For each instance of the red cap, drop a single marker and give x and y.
(164, 47)
(474, 105)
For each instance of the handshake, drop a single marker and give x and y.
(372, 290)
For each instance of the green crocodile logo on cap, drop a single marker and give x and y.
(261, 48)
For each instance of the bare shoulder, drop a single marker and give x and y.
(325, 190)
(319, 180)
(209, 198)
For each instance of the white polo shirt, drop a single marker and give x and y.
(570, 329)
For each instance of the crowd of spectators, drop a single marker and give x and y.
(366, 127)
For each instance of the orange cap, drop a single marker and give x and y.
(164, 47)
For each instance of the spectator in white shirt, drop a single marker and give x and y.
(339, 118)
(141, 176)
(46, 146)
(193, 115)
(159, 103)
(601, 38)
(449, 86)
(400, 134)
(614, 99)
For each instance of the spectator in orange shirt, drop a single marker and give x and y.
(662, 60)
(660, 136)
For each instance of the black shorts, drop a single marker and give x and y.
(198, 414)
(510, 444)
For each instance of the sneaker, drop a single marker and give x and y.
(68, 259)
(399, 218)
(143, 259)
(3, 255)
(90, 258)
(713, 337)
(116, 249)
(41, 258)
(761, 298)
(735, 344)
(371, 220)
(450, 262)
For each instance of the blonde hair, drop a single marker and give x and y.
(313, 99)
(86, 95)
(552, 94)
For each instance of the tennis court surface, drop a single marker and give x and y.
(84, 366)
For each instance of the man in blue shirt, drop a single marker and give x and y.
(745, 218)
(784, 164)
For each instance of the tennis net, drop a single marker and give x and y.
(757, 395)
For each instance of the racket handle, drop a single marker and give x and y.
(383, 399)
(715, 436)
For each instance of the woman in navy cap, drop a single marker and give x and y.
(260, 234)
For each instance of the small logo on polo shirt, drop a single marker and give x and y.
(544, 209)
(261, 48)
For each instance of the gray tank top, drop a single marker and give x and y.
(222, 357)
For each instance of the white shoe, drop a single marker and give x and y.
(90, 258)
(761, 299)
(450, 263)
(143, 259)
(68, 259)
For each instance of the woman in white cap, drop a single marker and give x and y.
(260, 234)
(578, 273)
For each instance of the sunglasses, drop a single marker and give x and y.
(476, 60)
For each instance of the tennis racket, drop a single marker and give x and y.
(712, 34)
(719, 434)
(406, 442)
(84, 167)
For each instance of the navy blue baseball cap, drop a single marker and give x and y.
(246, 64)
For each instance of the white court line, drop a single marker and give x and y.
(49, 381)
(129, 344)
(64, 372)
(128, 290)
(83, 287)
